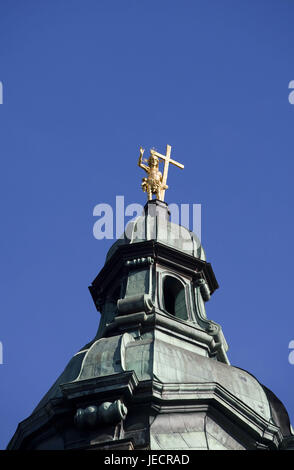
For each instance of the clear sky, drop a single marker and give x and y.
(85, 83)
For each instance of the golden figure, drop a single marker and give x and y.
(155, 183)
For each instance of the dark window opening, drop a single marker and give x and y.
(174, 297)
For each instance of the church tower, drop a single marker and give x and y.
(156, 376)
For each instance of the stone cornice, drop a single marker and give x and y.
(163, 398)
(160, 253)
(189, 397)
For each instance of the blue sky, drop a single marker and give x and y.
(85, 83)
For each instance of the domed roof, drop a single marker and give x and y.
(157, 226)
(183, 367)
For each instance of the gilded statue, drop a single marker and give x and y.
(155, 183)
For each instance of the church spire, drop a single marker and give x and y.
(156, 376)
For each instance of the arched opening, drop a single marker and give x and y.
(174, 297)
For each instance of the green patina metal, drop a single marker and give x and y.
(156, 375)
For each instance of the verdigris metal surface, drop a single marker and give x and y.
(156, 357)
(170, 360)
(105, 357)
(69, 374)
(177, 364)
(190, 431)
(148, 227)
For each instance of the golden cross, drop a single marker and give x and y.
(167, 160)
